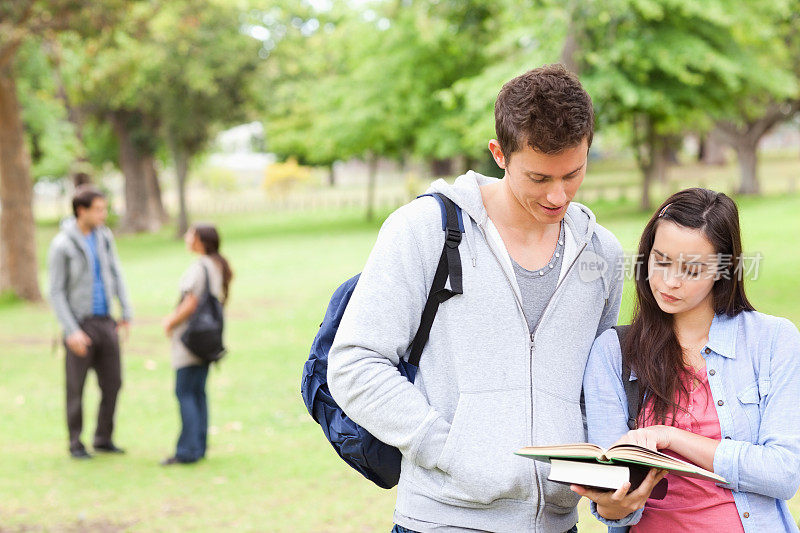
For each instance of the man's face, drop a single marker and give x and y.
(543, 184)
(95, 215)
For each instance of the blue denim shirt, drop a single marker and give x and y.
(753, 368)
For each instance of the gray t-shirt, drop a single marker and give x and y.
(538, 286)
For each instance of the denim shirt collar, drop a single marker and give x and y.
(722, 335)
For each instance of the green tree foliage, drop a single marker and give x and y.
(206, 79)
(171, 74)
(420, 78)
(771, 93)
(54, 146)
(663, 66)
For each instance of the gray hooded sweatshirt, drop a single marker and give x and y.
(71, 278)
(486, 386)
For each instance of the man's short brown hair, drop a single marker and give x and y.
(84, 196)
(546, 108)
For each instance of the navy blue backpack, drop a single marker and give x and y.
(375, 460)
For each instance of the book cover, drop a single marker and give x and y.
(603, 476)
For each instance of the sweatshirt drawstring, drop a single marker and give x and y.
(469, 234)
(598, 249)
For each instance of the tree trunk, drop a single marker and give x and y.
(744, 138)
(747, 154)
(460, 164)
(470, 163)
(181, 159)
(332, 175)
(442, 167)
(702, 146)
(662, 159)
(75, 115)
(648, 148)
(647, 179)
(155, 203)
(671, 146)
(372, 174)
(570, 48)
(138, 216)
(713, 152)
(18, 266)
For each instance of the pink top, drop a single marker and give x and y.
(692, 504)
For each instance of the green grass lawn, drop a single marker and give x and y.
(269, 466)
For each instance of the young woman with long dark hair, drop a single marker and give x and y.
(192, 372)
(718, 382)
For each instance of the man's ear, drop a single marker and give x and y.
(497, 153)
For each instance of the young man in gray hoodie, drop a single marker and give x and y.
(504, 363)
(85, 277)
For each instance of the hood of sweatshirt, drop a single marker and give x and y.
(465, 192)
(69, 227)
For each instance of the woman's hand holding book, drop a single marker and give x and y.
(620, 503)
(652, 437)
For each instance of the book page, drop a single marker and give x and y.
(644, 456)
(578, 450)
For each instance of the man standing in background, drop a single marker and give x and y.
(84, 279)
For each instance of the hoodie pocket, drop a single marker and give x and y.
(559, 421)
(478, 455)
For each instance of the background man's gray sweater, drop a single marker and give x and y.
(71, 277)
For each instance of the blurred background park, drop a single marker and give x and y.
(296, 127)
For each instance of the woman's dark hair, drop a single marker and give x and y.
(209, 236)
(546, 108)
(651, 347)
(84, 196)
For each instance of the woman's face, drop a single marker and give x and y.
(681, 268)
(190, 238)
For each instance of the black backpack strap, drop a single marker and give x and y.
(449, 267)
(208, 280)
(631, 386)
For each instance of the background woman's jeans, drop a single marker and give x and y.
(190, 388)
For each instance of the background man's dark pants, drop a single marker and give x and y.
(103, 356)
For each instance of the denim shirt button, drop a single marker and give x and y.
(711, 372)
(708, 351)
(720, 402)
(746, 515)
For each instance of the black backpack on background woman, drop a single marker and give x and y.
(203, 335)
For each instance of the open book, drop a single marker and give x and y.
(591, 465)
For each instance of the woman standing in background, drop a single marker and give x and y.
(190, 382)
